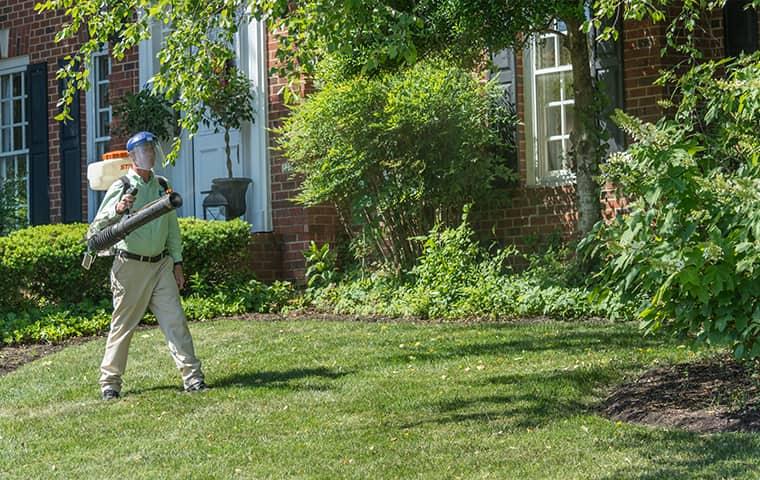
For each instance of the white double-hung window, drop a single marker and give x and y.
(549, 107)
(14, 122)
(99, 115)
(101, 103)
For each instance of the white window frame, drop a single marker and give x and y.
(93, 122)
(538, 172)
(8, 67)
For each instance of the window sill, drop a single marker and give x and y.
(558, 179)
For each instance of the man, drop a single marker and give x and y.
(146, 272)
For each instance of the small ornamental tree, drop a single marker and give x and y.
(230, 103)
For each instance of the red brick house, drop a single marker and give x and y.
(52, 158)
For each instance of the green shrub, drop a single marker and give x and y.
(12, 213)
(320, 266)
(456, 278)
(53, 323)
(217, 251)
(691, 242)
(397, 154)
(44, 262)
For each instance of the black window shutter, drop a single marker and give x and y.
(71, 162)
(740, 28)
(504, 73)
(608, 72)
(39, 174)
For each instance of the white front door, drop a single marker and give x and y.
(210, 161)
(202, 158)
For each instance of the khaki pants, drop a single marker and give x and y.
(136, 287)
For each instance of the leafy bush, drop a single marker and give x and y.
(12, 214)
(320, 266)
(43, 262)
(691, 242)
(52, 323)
(145, 110)
(397, 153)
(457, 278)
(217, 251)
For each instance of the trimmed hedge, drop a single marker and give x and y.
(43, 263)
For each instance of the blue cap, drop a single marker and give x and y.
(139, 139)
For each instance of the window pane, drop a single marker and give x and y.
(5, 86)
(546, 53)
(17, 112)
(17, 90)
(18, 138)
(103, 95)
(101, 148)
(553, 122)
(104, 129)
(5, 113)
(10, 168)
(564, 51)
(22, 167)
(5, 139)
(567, 85)
(547, 88)
(554, 154)
(103, 64)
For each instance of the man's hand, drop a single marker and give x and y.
(125, 204)
(179, 276)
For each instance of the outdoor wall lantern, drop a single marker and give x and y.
(215, 205)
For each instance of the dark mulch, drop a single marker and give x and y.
(714, 395)
(12, 357)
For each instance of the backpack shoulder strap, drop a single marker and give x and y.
(125, 185)
(164, 183)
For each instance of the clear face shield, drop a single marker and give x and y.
(147, 155)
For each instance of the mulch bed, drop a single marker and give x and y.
(14, 356)
(710, 396)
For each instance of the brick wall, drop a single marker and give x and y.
(294, 225)
(33, 34)
(538, 214)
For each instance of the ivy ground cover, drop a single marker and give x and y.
(319, 399)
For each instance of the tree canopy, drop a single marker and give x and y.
(374, 34)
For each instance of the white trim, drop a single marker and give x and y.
(255, 136)
(7, 65)
(4, 35)
(537, 173)
(92, 116)
(10, 67)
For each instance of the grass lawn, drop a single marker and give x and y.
(310, 399)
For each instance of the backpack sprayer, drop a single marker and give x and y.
(113, 234)
(110, 236)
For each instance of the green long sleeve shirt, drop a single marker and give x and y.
(152, 238)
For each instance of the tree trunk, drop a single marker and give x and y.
(227, 151)
(586, 138)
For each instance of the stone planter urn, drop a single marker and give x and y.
(234, 190)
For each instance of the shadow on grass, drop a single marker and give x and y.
(679, 455)
(296, 379)
(570, 340)
(158, 388)
(527, 400)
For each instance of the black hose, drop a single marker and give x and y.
(110, 236)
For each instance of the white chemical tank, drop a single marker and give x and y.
(114, 165)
